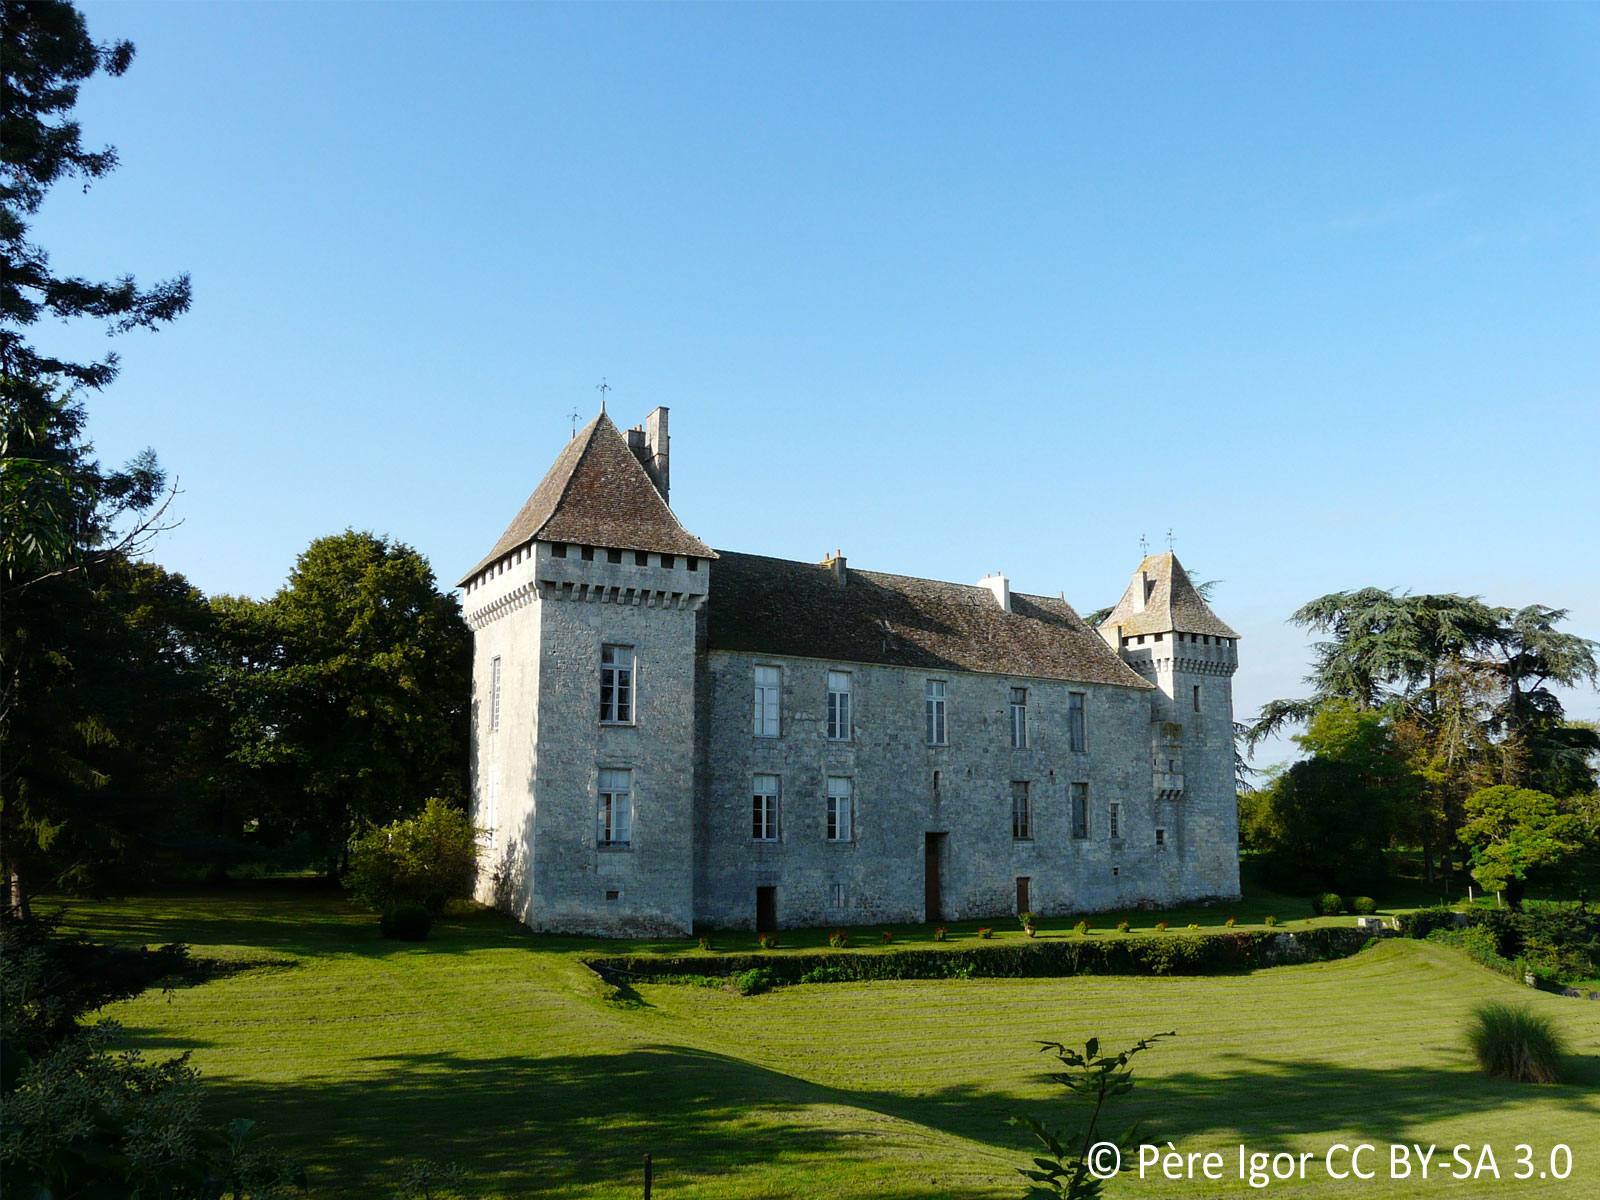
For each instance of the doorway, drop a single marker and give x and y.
(1024, 901)
(766, 909)
(932, 900)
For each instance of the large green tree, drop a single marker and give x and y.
(369, 693)
(70, 523)
(1517, 835)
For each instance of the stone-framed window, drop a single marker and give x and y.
(1021, 811)
(1080, 810)
(841, 809)
(1114, 820)
(1161, 838)
(764, 808)
(938, 730)
(617, 670)
(1197, 697)
(494, 693)
(839, 715)
(1019, 718)
(616, 807)
(1077, 722)
(768, 701)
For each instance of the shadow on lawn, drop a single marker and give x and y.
(531, 1125)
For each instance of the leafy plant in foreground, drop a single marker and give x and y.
(1515, 1043)
(1094, 1078)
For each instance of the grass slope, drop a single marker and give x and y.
(497, 1049)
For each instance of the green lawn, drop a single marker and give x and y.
(498, 1050)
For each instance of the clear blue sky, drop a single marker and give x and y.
(955, 289)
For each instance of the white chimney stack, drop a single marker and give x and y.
(1000, 586)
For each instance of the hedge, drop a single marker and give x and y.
(1178, 954)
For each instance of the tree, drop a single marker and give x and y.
(66, 516)
(430, 859)
(1321, 827)
(1517, 834)
(370, 688)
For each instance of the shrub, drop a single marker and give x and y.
(406, 923)
(939, 934)
(1026, 919)
(985, 932)
(1123, 927)
(1363, 906)
(767, 941)
(1269, 920)
(1194, 925)
(887, 937)
(754, 981)
(428, 859)
(838, 939)
(706, 942)
(1425, 921)
(1161, 926)
(1083, 927)
(1515, 1043)
(1231, 922)
(1329, 904)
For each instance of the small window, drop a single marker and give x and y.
(613, 896)
(1077, 723)
(1080, 810)
(764, 810)
(1019, 718)
(494, 693)
(1160, 636)
(616, 685)
(641, 558)
(1197, 697)
(768, 690)
(838, 895)
(1161, 838)
(937, 729)
(839, 706)
(1021, 812)
(586, 553)
(1114, 820)
(840, 804)
(692, 563)
(558, 549)
(668, 561)
(613, 556)
(616, 807)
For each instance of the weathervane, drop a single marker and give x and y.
(1144, 546)
(602, 387)
(1170, 546)
(574, 416)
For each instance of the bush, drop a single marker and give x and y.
(1329, 904)
(1161, 926)
(1026, 919)
(406, 923)
(1123, 927)
(888, 936)
(706, 942)
(839, 939)
(939, 934)
(985, 932)
(767, 941)
(429, 859)
(1269, 920)
(1515, 1043)
(1363, 906)
(1231, 922)
(754, 982)
(1083, 928)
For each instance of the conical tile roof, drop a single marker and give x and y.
(1172, 603)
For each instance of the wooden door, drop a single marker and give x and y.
(766, 909)
(930, 875)
(1023, 902)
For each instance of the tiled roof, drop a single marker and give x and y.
(777, 606)
(1173, 604)
(597, 494)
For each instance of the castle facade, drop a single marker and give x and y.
(667, 736)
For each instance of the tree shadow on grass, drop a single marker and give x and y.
(564, 1124)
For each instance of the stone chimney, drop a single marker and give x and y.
(651, 446)
(835, 563)
(1000, 586)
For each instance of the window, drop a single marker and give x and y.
(1114, 820)
(839, 805)
(616, 807)
(768, 680)
(616, 685)
(1021, 813)
(586, 553)
(838, 706)
(613, 556)
(838, 895)
(1077, 729)
(936, 713)
(1197, 697)
(1161, 839)
(1080, 810)
(613, 895)
(1019, 718)
(692, 563)
(558, 549)
(494, 693)
(764, 811)
(669, 561)
(641, 558)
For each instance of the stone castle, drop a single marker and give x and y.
(667, 736)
